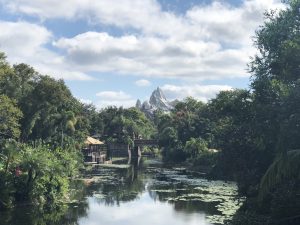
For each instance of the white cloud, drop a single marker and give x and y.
(114, 98)
(153, 56)
(200, 92)
(25, 42)
(143, 83)
(211, 41)
(22, 37)
(47, 8)
(225, 23)
(203, 21)
(145, 15)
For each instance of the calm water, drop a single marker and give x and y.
(147, 193)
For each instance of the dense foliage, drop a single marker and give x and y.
(114, 124)
(35, 174)
(42, 130)
(42, 126)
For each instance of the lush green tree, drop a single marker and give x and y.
(8, 154)
(275, 83)
(91, 117)
(37, 174)
(168, 138)
(52, 114)
(276, 80)
(195, 147)
(40, 110)
(234, 135)
(187, 122)
(9, 118)
(121, 125)
(5, 72)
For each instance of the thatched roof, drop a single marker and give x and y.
(93, 141)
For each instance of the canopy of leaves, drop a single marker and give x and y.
(10, 116)
(122, 125)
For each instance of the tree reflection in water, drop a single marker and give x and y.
(124, 185)
(62, 215)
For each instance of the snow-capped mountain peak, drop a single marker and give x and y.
(158, 101)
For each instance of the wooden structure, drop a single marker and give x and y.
(138, 146)
(118, 150)
(95, 151)
(124, 150)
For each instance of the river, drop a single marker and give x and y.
(147, 192)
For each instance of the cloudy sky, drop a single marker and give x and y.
(115, 51)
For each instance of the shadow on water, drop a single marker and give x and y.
(158, 194)
(63, 215)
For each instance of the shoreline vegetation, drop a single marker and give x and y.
(248, 136)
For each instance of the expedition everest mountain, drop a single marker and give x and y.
(158, 101)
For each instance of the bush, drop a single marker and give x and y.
(195, 147)
(206, 158)
(37, 175)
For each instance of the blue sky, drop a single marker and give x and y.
(113, 52)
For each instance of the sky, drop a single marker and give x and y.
(113, 52)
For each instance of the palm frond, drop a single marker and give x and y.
(286, 166)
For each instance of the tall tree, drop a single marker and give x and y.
(9, 118)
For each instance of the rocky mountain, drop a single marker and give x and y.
(157, 101)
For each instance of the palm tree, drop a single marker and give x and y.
(65, 121)
(285, 166)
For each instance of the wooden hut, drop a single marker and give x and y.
(94, 151)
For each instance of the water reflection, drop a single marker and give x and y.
(64, 215)
(67, 214)
(142, 211)
(144, 192)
